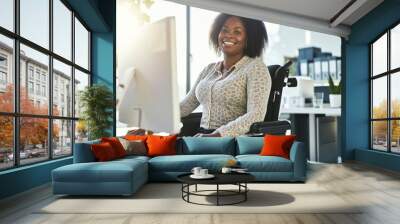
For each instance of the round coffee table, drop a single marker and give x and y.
(238, 179)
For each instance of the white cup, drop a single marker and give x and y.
(226, 170)
(196, 171)
(203, 172)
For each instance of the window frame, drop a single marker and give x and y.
(388, 74)
(16, 115)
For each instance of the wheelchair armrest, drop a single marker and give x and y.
(270, 127)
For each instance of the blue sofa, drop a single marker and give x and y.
(125, 176)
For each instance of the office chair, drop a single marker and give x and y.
(270, 125)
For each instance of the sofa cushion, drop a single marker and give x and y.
(103, 152)
(111, 171)
(134, 147)
(209, 145)
(277, 145)
(161, 145)
(249, 145)
(116, 145)
(185, 163)
(257, 163)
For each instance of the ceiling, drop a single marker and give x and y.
(326, 16)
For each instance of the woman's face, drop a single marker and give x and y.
(232, 37)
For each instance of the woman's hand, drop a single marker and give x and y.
(216, 134)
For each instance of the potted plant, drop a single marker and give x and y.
(335, 98)
(97, 105)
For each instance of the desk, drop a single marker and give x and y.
(312, 124)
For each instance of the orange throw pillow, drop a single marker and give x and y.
(161, 145)
(103, 152)
(116, 145)
(136, 137)
(277, 145)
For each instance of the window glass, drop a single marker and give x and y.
(201, 53)
(81, 131)
(62, 138)
(39, 62)
(379, 97)
(62, 89)
(395, 47)
(62, 29)
(379, 135)
(7, 14)
(395, 95)
(379, 55)
(81, 82)
(81, 45)
(6, 142)
(395, 136)
(35, 21)
(6, 74)
(33, 139)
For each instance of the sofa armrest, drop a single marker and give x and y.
(83, 152)
(298, 157)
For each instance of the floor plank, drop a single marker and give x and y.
(376, 189)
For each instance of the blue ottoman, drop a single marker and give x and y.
(118, 177)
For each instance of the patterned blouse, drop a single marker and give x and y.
(233, 100)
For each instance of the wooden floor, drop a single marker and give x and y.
(377, 188)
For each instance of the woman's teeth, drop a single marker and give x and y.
(228, 43)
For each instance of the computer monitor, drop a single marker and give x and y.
(147, 85)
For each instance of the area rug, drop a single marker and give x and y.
(166, 198)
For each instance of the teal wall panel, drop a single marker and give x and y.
(24, 178)
(377, 158)
(103, 63)
(356, 85)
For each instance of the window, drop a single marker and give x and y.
(44, 91)
(385, 97)
(37, 89)
(3, 61)
(6, 142)
(3, 78)
(45, 131)
(6, 74)
(81, 81)
(34, 21)
(62, 137)
(81, 45)
(30, 87)
(37, 75)
(30, 72)
(62, 74)
(7, 14)
(62, 29)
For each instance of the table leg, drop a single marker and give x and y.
(188, 192)
(196, 187)
(312, 137)
(245, 191)
(217, 194)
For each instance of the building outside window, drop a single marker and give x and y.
(34, 81)
(385, 96)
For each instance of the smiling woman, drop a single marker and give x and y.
(233, 92)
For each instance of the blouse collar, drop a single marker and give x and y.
(244, 60)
